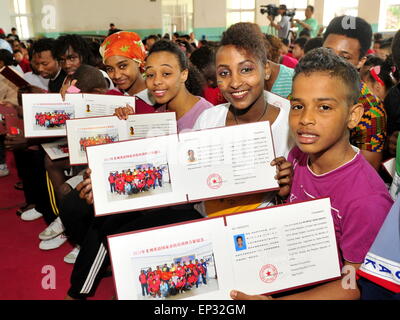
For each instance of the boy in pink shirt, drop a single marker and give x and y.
(324, 109)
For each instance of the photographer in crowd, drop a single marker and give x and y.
(283, 26)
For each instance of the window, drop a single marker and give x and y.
(240, 11)
(22, 18)
(338, 8)
(389, 16)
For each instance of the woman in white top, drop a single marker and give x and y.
(241, 70)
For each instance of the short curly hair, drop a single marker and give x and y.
(248, 37)
(324, 60)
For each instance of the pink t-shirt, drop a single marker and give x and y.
(359, 198)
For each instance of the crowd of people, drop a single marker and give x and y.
(172, 280)
(141, 179)
(343, 123)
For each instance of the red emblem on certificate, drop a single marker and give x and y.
(214, 181)
(268, 273)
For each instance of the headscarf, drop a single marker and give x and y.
(126, 44)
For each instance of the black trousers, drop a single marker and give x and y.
(31, 170)
(91, 234)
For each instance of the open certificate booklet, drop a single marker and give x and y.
(181, 168)
(258, 252)
(45, 115)
(82, 133)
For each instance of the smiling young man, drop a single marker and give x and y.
(350, 38)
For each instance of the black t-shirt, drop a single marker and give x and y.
(392, 106)
(56, 84)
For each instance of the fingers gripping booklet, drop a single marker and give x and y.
(258, 252)
(181, 168)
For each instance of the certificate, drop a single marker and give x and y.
(264, 251)
(181, 168)
(390, 166)
(85, 132)
(45, 115)
(57, 149)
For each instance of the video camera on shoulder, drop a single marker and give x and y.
(273, 11)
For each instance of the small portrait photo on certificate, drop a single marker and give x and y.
(180, 271)
(95, 136)
(129, 180)
(50, 118)
(191, 156)
(240, 242)
(131, 131)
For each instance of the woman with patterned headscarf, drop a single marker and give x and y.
(124, 55)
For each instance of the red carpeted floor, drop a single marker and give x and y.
(26, 272)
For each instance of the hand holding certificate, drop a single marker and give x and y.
(258, 252)
(176, 169)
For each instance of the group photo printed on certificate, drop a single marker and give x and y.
(136, 177)
(264, 251)
(181, 168)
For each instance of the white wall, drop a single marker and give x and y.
(96, 15)
(41, 22)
